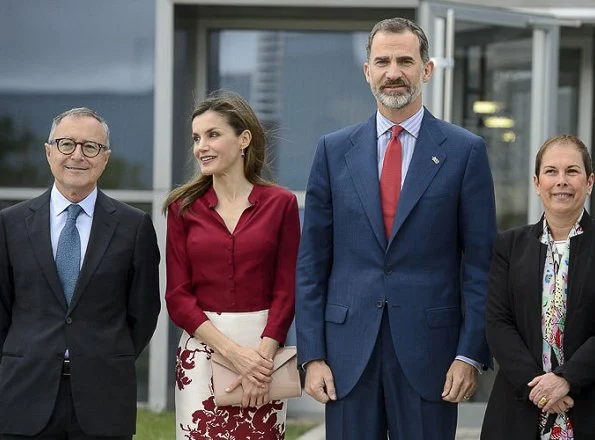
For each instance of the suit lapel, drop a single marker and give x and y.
(102, 229)
(535, 253)
(362, 163)
(428, 157)
(579, 265)
(38, 227)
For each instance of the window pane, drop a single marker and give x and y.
(493, 67)
(568, 90)
(80, 53)
(301, 84)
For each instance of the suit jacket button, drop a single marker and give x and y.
(379, 304)
(69, 320)
(387, 271)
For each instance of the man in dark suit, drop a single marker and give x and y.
(396, 245)
(79, 297)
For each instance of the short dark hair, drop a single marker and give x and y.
(399, 25)
(565, 139)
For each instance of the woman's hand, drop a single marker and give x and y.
(562, 405)
(251, 365)
(254, 395)
(547, 390)
(268, 347)
(247, 361)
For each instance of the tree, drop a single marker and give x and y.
(21, 164)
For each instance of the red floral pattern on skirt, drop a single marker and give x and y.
(185, 361)
(235, 422)
(197, 416)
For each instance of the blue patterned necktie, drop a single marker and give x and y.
(68, 254)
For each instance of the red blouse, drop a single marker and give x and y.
(210, 269)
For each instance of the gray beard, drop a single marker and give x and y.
(396, 102)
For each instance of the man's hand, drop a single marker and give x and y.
(461, 382)
(319, 381)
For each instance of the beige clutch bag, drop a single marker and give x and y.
(285, 383)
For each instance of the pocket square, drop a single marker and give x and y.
(285, 379)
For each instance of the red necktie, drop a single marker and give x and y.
(390, 179)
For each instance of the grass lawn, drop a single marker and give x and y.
(161, 426)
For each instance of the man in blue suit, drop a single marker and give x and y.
(392, 278)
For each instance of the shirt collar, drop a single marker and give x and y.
(60, 203)
(411, 125)
(211, 200)
(577, 229)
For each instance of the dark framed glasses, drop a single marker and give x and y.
(89, 148)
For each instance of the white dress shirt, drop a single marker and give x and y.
(58, 215)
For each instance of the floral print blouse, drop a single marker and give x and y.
(553, 318)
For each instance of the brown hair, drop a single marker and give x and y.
(565, 139)
(240, 117)
(399, 25)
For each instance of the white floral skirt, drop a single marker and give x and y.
(197, 416)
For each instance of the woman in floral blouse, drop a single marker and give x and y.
(541, 308)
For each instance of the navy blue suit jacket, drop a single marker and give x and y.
(432, 272)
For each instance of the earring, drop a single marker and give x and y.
(243, 152)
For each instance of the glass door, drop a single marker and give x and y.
(497, 75)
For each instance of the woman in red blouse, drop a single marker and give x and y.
(232, 240)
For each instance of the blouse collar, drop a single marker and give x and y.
(211, 200)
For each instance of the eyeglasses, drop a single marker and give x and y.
(89, 148)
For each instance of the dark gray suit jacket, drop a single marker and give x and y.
(110, 320)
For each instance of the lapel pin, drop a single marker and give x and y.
(435, 160)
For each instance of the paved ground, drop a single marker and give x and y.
(462, 434)
(468, 434)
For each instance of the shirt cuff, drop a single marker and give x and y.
(471, 362)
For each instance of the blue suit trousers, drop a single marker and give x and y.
(383, 403)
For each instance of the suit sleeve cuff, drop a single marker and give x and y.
(475, 364)
(305, 364)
